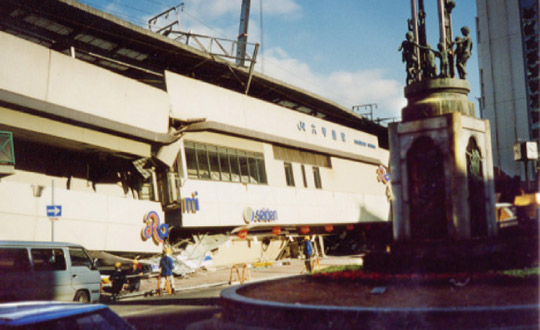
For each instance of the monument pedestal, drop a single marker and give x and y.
(442, 178)
(441, 165)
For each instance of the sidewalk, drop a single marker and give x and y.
(254, 272)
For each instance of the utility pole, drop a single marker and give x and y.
(243, 33)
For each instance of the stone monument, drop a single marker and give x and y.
(441, 161)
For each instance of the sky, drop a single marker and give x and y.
(345, 50)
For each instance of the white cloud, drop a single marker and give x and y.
(344, 88)
(220, 18)
(218, 8)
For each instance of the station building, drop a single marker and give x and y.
(115, 136)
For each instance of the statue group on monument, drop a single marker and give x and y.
(420, 58)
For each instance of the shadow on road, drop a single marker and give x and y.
(167, 300)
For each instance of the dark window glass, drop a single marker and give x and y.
(289, 174)
(317, 177)
(253, 170)
(224, 164)
(79, 258)
(261, 170)
(214, 162)
(304, 174)
(48, 259)
(202, 161)
(14, 260)
(244, 170)
(235, 165)
(191, 160)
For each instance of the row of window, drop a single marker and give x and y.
(211, 162)
(205, 161)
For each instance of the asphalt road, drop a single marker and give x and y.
(170, 312)
(198, 296)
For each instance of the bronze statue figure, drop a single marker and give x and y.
(409, 56)
(420, 63)
(463, 51)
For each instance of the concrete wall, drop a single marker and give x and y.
(36, 72)
(350, 192)
(96, 221)
(190, 99)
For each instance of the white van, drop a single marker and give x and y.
(47, 271)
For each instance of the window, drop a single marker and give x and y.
(261, 170)
(317, 177)
(79, 258)
(235, 165)
(244, 170)
(48, 259)
(191, 160)
(214, 162)
(304, 174)
(289, 174)
(224, 164)
(253, 169)
(202, 161)
(14, 260)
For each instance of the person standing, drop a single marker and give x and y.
(308, 252)
(118, 279)
(134, 277)
(166, 264)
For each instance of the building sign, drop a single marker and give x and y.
(331, 134)
(524, 151)
(384, 177)
(190, 204)
(261, 215)
(154, 229)
(54, 211)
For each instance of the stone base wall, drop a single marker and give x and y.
(442, 178)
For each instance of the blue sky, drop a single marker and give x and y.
(344, 50)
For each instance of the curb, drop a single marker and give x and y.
(250, 313)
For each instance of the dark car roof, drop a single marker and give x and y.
(23, 313)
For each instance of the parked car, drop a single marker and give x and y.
(59, 315)
(47, 271)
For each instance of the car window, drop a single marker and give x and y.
(79, 258)
(14, 260)
(48, 259)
